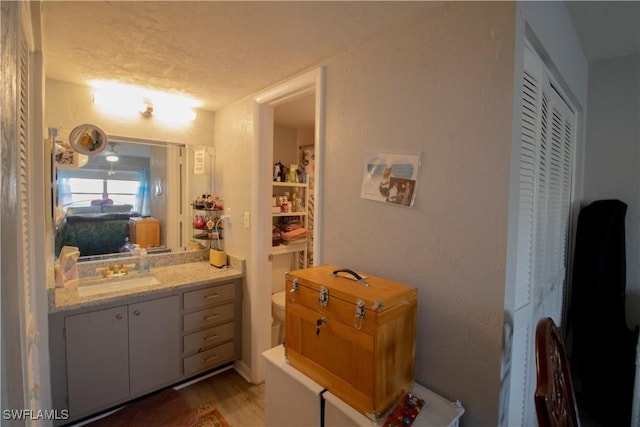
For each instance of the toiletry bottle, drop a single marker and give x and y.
(135, 251)
(144, 262)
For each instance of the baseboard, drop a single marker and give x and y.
(243, 369)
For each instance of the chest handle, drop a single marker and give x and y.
(355, 275)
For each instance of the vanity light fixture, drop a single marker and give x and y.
(147, 109)
(119, 99)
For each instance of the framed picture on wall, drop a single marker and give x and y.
(391, 177)
(67, 157)
(198, 162)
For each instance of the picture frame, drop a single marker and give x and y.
(198, 162)
(68, 158)
(391, 177)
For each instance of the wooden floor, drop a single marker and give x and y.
(240, 402)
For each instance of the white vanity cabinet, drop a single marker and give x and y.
(120, 352)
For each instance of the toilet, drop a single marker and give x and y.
(278, 310)
(277, 305)
(280, 266)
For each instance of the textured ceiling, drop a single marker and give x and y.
(607, 29)
(219, 52)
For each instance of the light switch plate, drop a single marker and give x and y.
(247, 219)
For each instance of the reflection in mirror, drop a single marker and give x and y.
(127, 194)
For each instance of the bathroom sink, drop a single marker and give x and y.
(117, 285)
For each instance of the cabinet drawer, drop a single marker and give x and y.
(211, 316)
(209, 359)
(208, 337)
(208, 296)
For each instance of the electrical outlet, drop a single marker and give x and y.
(247, 219)
(226, 217)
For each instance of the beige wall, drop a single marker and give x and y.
(234, 149)
(285, 147)
(442, 87)
(68, 105)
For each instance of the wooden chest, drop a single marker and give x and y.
(352, 334)
(144, 232)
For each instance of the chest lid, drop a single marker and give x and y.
(351, 286)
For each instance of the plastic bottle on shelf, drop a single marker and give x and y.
(144, 262)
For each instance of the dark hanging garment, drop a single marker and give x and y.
(603, 347)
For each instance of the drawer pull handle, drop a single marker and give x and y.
(210, 359)
(213, 316)
(136, 313)
(212, 296)
(213, 337)
(119, 316)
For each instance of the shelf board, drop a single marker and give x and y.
(286, 249)
(207, 209)
(289, 184)
(289, 214)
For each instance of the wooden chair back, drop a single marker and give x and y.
(555, 399)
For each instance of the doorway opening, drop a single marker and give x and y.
(270, 104)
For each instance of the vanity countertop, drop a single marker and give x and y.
(170, 277)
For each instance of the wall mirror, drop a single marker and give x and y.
(130, 192)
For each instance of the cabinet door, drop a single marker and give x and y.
(154, 343)
(97, 359)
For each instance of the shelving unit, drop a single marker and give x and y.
(207, 233)
(298, 197)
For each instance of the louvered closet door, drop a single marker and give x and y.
(546, 149)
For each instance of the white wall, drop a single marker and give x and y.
(285, 147)
(441, 85)
(551, 30)
(234, 148)
(68, 105)
(612, 158)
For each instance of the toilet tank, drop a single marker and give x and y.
(281, 264)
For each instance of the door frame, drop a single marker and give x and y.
(259, 269)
